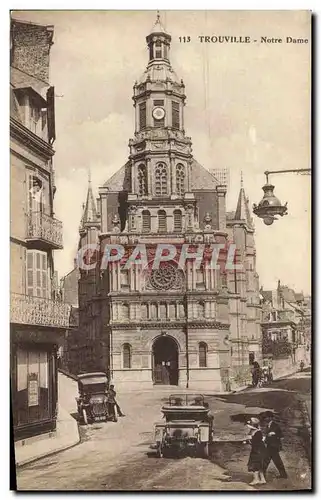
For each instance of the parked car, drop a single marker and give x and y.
(93, 403)
(188, 426)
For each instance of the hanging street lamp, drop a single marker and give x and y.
(270, 206)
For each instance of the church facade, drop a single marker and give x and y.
(189, 324)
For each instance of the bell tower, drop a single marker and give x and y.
(160, 198)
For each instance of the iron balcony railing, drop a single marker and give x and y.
(29, 310)
(43, 227)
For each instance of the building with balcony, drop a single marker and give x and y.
(38, 318)
(181, 324)
(286, 328)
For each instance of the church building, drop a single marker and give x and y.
(191, 326)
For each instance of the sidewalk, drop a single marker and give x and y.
(66, 436)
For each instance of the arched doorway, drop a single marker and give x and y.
(165, 361)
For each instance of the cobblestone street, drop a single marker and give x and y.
(116, 456)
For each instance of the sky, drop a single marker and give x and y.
(248, 110)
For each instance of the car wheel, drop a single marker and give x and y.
(84, 416)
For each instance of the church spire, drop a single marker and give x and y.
(242, 210)
(158, 42)
(90, 214)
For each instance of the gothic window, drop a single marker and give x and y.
(142, 180)
(161, 180)
(175, 114)
(162, 221)
(178, 227)
(142, 115)
(165, 277)
(146, 221)
(180, 179)
(37, 274)
(127, 356)
(202, 354)
(201, 310)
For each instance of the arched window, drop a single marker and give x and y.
(162, 221)
(142, 180)
(180, 179)
(127, 356)
(161, 180)
(146, 221)
(178, 226)
(202, 354)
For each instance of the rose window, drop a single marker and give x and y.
(164, 278)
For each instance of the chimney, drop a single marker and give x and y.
(30, 48)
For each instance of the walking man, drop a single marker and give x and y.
(112, 398)
(273, 446)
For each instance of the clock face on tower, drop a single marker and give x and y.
(158, 113)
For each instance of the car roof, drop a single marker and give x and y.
(91, 374)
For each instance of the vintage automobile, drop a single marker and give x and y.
(188, 426)
(93, 404)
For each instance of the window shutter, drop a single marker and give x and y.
(142, 115)
(30, 272)
(146, 221)
(175, 114)
(51, 114)
(177, 221)
(162, 222)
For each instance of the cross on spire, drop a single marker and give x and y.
(242, 179)
(158, 17)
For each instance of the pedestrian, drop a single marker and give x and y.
(302, 366)
(273, 446)
(257, 454)
(112, 399)
(256, 374)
